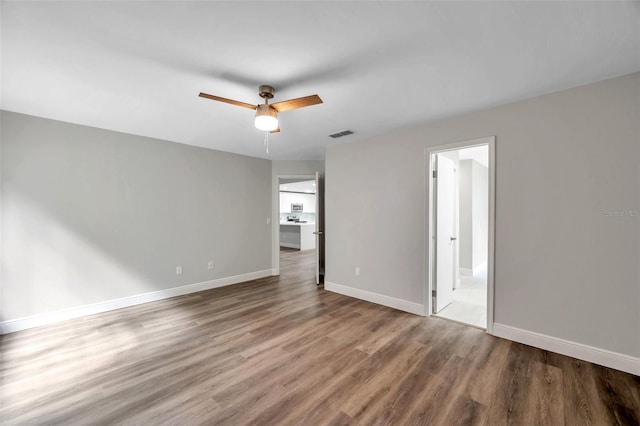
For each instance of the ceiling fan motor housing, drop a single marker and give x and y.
(266, 92)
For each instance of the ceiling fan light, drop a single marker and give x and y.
(266, 123)
(266, 118)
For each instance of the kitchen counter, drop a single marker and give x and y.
(297, 235)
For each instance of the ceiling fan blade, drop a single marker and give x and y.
(228, 101)
(276, 130)
(297, 103)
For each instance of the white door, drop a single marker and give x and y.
(319, 232)
(445, 231)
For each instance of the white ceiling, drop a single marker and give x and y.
(137, 67)
(478, 153)
(308, 186)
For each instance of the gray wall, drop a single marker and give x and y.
(296, 167)
(479, 213)
(90, 215)
(474, 213)
(565, 265)
(466, 227)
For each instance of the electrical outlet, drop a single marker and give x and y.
(210, 265)
(178, 270)
(357, 271)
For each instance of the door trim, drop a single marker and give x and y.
(275, 218)
(490, 141)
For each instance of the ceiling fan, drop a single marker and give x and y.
(267, 114)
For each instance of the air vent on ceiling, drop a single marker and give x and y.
(341, 134)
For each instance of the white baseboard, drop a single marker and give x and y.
(380, 299)
(18, 324)
(598, 356)
(275, 271)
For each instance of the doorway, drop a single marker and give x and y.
(298, 228)
(460, 224)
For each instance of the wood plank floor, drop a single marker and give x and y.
(279, 351)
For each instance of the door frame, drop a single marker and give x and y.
(429, 235)
(275, 218)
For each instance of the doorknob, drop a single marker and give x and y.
(319, 233)
(453, 238)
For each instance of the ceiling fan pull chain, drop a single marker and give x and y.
(266, 140)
